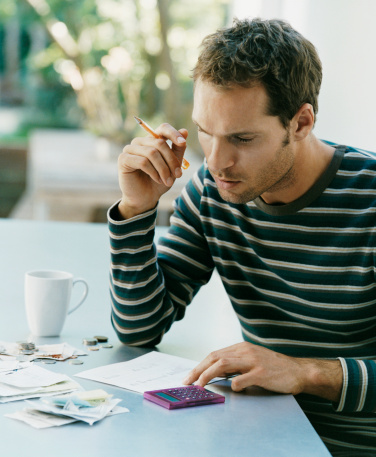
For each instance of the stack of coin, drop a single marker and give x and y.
(26, 347)
(89, 341)
(93, 342)
(101, 339)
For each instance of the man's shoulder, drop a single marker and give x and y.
(352, 152)
(359, 160)
(355, 159)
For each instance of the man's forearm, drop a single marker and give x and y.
(259, 366)
(139, 310)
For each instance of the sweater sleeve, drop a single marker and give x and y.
(150, 288)
(359, 386)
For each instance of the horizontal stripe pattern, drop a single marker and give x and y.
(301, 282)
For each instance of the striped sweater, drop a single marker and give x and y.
(300, 277)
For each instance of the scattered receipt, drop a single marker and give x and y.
(31, 382)
(86, 406)
(151, 371)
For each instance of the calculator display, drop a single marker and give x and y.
(167, 397)
(183, 397)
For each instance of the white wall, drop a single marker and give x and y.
(344, 33)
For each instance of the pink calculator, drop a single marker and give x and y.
(183, 397)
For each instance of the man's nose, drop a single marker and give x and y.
(220, 156)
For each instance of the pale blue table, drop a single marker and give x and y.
(253, 423)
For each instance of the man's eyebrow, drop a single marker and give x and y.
(229, 135)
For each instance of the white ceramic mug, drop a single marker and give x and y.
(47, 298)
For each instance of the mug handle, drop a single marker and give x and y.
(84, 295)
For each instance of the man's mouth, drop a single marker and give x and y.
(225, 184)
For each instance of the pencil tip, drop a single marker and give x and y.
(138, 119)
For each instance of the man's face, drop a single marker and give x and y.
(248, 152)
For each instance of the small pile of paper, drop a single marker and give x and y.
(86, 406)
(60, 351)
(26, 380)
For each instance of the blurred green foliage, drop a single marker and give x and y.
(104, 61)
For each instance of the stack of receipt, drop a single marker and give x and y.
(60, 351)
(86, 406)
(22, 380)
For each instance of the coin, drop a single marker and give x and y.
(90, 341)
(93, 348)
(106, 346)
(76, 362)
(101, 339)
(48, 361)
(26, 352)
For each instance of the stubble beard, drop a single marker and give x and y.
(275, 177)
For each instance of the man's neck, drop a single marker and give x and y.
(312, 158)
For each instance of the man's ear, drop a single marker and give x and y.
(303, 122)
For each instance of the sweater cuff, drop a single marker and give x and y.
(359, 386)
(117, 223)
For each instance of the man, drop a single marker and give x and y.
(286, 219)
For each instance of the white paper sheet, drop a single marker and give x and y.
(32, 376)
(12, 364)
(151, 371)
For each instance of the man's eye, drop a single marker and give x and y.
(202, 132)
(243, 140)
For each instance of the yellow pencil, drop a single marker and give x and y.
(185, 164)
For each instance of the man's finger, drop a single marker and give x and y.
(153, 153)
(167, 132)
(223, 368)
(225, 353)
(134, 163)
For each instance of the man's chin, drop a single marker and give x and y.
(236, 199)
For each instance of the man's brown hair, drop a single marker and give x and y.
(267, 52)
